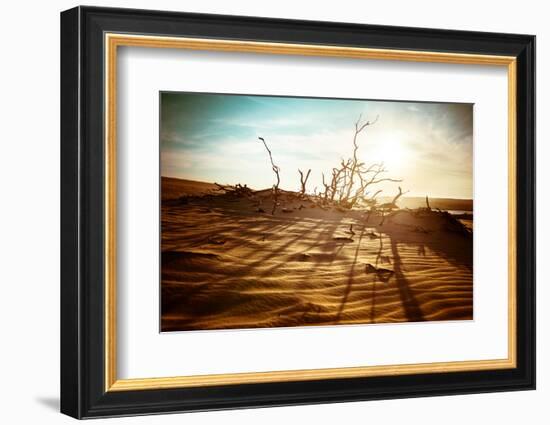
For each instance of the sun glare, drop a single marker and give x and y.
(391, 149)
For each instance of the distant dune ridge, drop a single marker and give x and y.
(227, 263)
(173, 188)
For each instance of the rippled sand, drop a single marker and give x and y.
(225, 265)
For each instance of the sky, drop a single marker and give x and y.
(214, 138)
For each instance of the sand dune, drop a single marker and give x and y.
(226, 265)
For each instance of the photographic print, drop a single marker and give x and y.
(293, 211)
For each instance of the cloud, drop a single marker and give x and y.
(428, 145)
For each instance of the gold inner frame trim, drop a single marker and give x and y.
(113, 41)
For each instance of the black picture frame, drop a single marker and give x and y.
(83, 392)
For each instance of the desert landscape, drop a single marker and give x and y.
(226, 263)
(250, 238)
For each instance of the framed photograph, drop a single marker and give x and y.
(261, 212)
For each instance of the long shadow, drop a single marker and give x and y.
(374, 282)
(249, 268)
(349, 284)
(410, 303)
(239, 221)
(333, 256)
(261, 232)
(321, 235)
(327, 233)
(264, 222)
(283, 247)
(200, 237)
(453, 247)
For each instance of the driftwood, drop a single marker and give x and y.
(237, 190)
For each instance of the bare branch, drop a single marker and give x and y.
(393, 204)
(303, 181)
(355, 163)
(237, 190)
(360, 127)
(401, 193)
(276, 170)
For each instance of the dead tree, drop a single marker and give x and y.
(352, 181)
(339, 179)
(390, 206)
(333, 187)
(359, 127)
(368, 177)
(303, 181)
(276, 171)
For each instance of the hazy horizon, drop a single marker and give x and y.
(214, 138)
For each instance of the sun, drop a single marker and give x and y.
(391, 149)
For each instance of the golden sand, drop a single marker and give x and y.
(226, 264)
